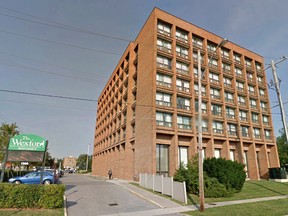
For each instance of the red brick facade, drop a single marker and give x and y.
(147, 115)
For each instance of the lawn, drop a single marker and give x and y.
(251, 189)
(267, 208)
(32, 212)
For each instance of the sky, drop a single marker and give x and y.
(69, 48)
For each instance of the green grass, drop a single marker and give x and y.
(32, 212)
(267, 208)
(251, 189)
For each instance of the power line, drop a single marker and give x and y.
(54, 65)
(48, 95)
(59, 43)
(49, 72)
(72, 28)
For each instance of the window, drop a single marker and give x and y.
(164, 45)
(195, 70)
(230, 113)
(267, 134)
(163, 80)
(232, 155)
(248, 63)
(163, 99)
(265, 120)
(216, 110)
(226, 68)
(164, 28)
(211, 47)
(164, 119)
(196, 89)
(262, 92)
(227, 82)
(162, 159)
(263, 106)
(214, 93)
(225, 53)
(240, 86)
(204, 125)
(182, 35)
(260, 80)
(182, 68)
(241, 100)
(229, 97)
(184, 122)
(183, 103)
(253, 103)
(163, 62)
(217, 153)
(204, 106)
(197, 42)
(258, 67)
(183, 85)
(218, 127)
(232, 129)
(237, 58)
(245, 131)
(214, 78)
(182, 52)
(238, 72)
(243, 115)
(255, 118)
(182, 155)
(256, 132)
(249, 76)
(195, 57)
(213, 63)
(251, 89)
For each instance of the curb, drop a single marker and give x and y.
(65, 206)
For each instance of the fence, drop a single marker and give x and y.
(164, 185)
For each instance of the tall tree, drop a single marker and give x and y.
(6, 132)
(282, 146)
(82, 160)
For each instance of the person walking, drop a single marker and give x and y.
(110, 174)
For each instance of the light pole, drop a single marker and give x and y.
(87, 158)
(200, 144)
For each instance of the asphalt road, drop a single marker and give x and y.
(89, 196)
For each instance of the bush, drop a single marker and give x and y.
(212, 188)
(189, 174)
(227, 172)
(31, 196)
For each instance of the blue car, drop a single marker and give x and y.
(34, 178)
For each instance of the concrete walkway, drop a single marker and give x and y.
(168, 207)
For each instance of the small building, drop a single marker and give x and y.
(69, 162)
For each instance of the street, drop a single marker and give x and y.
(89, 196)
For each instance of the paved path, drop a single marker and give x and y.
(88, 195)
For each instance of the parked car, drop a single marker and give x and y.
(34, 178)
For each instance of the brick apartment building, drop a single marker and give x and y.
(69, 162)
(147, 112)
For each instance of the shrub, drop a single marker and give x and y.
(31, 196)
(227, 172)
(212, 188)
(189, 174)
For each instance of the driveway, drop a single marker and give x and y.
(89, 196)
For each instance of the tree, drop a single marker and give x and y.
(282, 146)
(6, 132)
(81, 161)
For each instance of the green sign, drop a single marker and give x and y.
(27, 142)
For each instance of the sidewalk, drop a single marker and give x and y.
(169, 207)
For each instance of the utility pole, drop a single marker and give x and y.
(87, 158)
(276, 84)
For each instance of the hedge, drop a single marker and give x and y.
(31, 196)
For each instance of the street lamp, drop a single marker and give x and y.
(200, 144)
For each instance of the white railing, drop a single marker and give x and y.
(164, 185)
